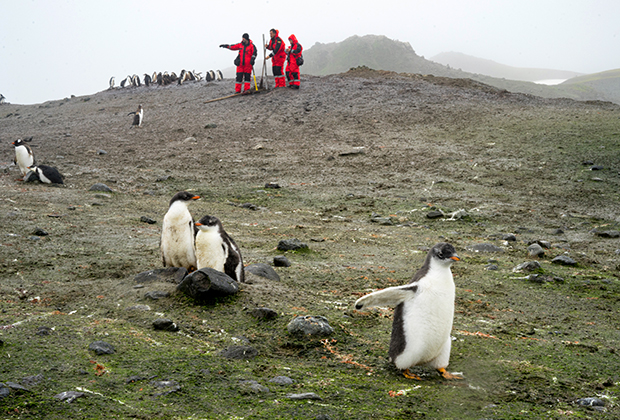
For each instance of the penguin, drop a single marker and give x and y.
(217, 250)
(2, 98)
(423, 315)
(135, 81)
(220, 76)
(198, 75)
(47, 174)
(147, 79)
(178, 232)
(111, 82)
(24, 157)
(137, 116)
(208, 77)
(212, 74)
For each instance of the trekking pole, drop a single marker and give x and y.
(264, 71)
(254, 74)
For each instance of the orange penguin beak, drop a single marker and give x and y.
(196, 197)
(455, 258)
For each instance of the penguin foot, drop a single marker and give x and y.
(447, 375)
(410, 375)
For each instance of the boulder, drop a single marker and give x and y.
(263, 270)
(208, 283)
(310, 326)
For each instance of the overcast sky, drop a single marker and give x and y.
(52, 49)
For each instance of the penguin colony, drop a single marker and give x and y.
(423, 315)
(197, 245)
(165, 78)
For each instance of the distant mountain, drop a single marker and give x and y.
(491, 68)
(381, 53)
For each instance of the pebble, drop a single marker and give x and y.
(491, 267)
(310, 326)
(595, 403)
(148, 220)
(282, 380)
(165, 324)
(156, 295)
(40, 232)
(304, 396)
(281, 261)
(247, 387)
(264, 313)
(564, 260)
(100, 187)
(69, 396)
(291, 245)
(435, 214)
(101, 347)
(535, 250)
(527, 266)
(239, 352)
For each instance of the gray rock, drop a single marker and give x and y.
(264, 313)
(485, 247)
(564, 260)
(208, 283)
(263, 270)
(608, 234)
(491, 267)
(252, 387)
(591, 402)
(40, 232)
(535, 250)
(384, 221)
(558, 232)
(148, 220)
(304, 396)
(291, 245)
(170, 386)
(69, 396)
(508, 237)
(239, 353)
(310, 326)
(4, 391)
(282, 380)
(156, 295)
(32, 380)
(434, 214)
(101, 152)
(527, 266)
(165, 324)
(101, 347)
(281, 261)
(272, 185)
(164, 275)
(100, 187)
(16, 387)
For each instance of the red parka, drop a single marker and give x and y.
(246, 57)
(277, 46)
(294, 53)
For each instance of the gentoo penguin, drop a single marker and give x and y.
(423, 315)
(111, 82)
(135, 81)
(2, 98)
(137, 116)
(177, 233)
(217, 250)
(47, 174)
(23, 155)
(220, 76)
(147, 79)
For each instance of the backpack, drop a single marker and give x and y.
(300, 60)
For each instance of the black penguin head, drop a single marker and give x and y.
(18, 142)
(184, 196)
(444, 252)
(208, 222)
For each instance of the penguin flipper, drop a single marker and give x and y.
(392, 296)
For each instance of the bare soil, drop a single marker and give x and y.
(347, 151)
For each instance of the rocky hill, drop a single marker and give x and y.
(381, 53)
(368, 169)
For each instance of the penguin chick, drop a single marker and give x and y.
(24, 158)
(137, 116)
(423, 315)
(177, 234)
(217, 250)
(47, 174)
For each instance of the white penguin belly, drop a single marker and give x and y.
(24, 159)
(210, 251)
(177, 243)
(427, 325)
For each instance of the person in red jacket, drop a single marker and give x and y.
(278, 56)
(293, 62)
(244, 62)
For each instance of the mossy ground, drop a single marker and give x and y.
(527, 350)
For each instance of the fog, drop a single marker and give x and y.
(52, 49)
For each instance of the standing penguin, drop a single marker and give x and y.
(47, 174)
(24, 158)
(423, 315)
(217, 250)
(137, 116)
(177, 233)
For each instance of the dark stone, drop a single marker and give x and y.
(272, 185)
(239, 352)
(587, 162)
(291, 245)
(434, 214)
(208, 283)
(282, 380)
(156, 295)
(101, 347)
(304, 396)
(608, 234)
(148, 220)
(485, 247)
(211, 125)
(164, 324)
(249, 206)
(101, 152)
(564, 260)
(591, 402)
(100, 187)
(558, 232)
(509, 237)
(44, 331)
(281, 261)
(264, 313)
(310, 326)
(16, 387)
(40, 232)
(597, 168)
(163, 178)
(165, 275)
(69, 396)
(263, 270)
(491, 267)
